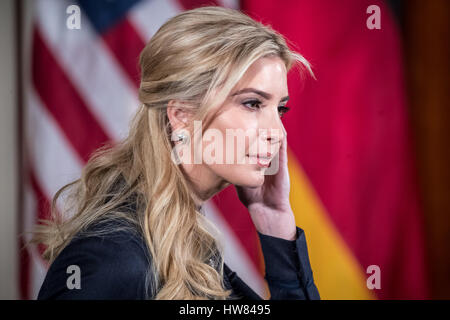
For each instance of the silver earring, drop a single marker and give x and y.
(182, 137)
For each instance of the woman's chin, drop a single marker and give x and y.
(252, 179)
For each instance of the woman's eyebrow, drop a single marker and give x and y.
(263, 94)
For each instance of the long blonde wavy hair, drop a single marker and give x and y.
(196, 56)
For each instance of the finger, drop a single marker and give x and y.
(280, 164)
(283, 150)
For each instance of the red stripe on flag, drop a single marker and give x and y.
(126, 45)
(43, 207)
(239, 220)
(63, 101)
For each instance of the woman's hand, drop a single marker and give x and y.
(269, 205)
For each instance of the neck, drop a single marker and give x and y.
(204, 183)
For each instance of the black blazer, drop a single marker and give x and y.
(114, 265)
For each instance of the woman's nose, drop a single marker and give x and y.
(272, 130)
(272, 135)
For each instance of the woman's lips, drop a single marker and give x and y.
(262, 161)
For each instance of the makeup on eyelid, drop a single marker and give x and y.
(284, 109)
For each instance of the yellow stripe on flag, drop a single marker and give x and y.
(337, 273)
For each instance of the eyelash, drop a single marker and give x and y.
(282, 109)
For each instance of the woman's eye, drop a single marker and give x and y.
(256, 104)
(282, 110)
(252, 104)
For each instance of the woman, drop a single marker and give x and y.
(136, 228)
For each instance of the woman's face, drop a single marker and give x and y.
(246, 125)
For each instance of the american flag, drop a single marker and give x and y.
(80, 92)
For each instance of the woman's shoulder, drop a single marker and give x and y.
(108, 260)
(112, 238)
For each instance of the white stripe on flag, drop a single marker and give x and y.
(148, 16)
(234, 4)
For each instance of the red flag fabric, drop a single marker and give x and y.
(349, 132)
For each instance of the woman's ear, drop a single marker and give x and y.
(179, 114)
